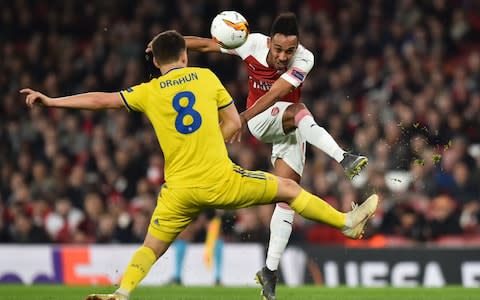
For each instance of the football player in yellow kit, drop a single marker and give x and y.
(192, 115)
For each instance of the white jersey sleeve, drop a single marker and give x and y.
(302, 63)
(254, 43)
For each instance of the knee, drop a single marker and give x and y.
(299, 111)
(289, 183)
(288, 189)
(157, 246)
(295, 108)
(293, 114)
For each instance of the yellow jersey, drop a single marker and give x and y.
(182, 106)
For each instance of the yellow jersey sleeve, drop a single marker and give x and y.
(135, 97)
(224, 98)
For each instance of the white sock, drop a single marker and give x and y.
(319, 137)
(122, 292)
(348, 220)
(280, 230)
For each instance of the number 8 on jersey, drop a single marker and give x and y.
(188, 120)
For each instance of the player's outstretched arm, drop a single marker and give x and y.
(92, 101)
(230, 122)
(195, 43)
(280, 88)
(201, 44)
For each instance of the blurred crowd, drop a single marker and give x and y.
(397, 81)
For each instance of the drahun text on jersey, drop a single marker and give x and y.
(178, 81)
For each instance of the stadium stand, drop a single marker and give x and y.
(398, 81)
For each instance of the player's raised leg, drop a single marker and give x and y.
(298, 116)
(314, 208)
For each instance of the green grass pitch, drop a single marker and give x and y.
(54, 292)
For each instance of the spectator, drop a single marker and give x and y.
(24, 231)
(4, 234)
(396, 80)
(62, 223)
(403, 220)
(94, 209)
(443, 218)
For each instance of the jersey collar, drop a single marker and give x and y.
(175, 68)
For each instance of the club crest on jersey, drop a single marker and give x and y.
(298, 74)
(275, 111)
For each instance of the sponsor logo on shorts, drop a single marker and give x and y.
(275, 111)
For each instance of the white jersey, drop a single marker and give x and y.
(261, 76)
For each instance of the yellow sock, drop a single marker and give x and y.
(316, 209)
(138, 267)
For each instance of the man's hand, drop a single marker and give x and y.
(149, 47)
(237, 136)
(34, 97)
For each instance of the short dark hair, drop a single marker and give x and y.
(286, 24)
(167, 46)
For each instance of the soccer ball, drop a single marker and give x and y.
(229, 29)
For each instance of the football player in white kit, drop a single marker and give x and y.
(277, 65)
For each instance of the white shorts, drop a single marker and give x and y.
(268, 128)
